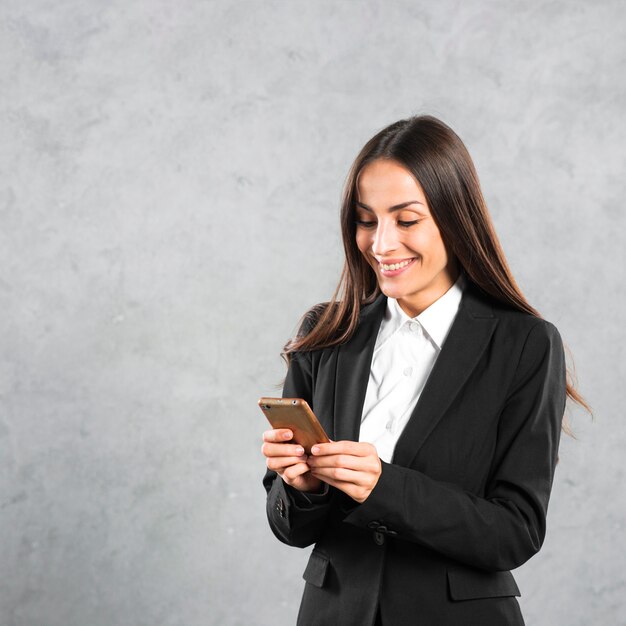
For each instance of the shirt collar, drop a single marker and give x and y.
(436, 319)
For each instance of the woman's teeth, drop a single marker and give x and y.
(396, 266)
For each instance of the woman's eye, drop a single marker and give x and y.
(372, 224)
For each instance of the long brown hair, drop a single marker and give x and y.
(441, 164)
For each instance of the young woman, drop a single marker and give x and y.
(443, 392)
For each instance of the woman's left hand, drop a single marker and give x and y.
(353, 467)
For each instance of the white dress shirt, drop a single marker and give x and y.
(404, 354)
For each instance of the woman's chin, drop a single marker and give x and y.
(392, 291)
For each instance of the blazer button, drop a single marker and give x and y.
(379, 538)
(280, 507)
(373, 525)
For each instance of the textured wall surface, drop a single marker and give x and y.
(169, 192)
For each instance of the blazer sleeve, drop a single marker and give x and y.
(296, 518)
(507, 526)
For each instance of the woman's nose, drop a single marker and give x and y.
(385, 240)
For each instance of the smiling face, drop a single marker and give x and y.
(398, 237)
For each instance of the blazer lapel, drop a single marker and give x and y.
(354, 359)
(469, 335)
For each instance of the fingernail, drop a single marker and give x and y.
(299, 451)
(287, 435)
(315, 449)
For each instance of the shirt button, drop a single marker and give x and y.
(389, 425)
(408, 371)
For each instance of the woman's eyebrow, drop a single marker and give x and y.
(396, 207)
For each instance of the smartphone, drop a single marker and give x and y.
(295, 414)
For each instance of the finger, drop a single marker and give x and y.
(360, 463)
(349, 489)
(356, 448)
(277, 434)
(293, 471)
(277, 463)
(282, 449)
(342, 474)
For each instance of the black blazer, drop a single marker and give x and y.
(465, 497)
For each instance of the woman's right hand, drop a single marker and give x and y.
(288, 460)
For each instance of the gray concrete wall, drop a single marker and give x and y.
(169, 189)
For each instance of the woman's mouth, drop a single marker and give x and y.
(396, 267)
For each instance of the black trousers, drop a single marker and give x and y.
(379, 621)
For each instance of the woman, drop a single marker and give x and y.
(443, 392)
